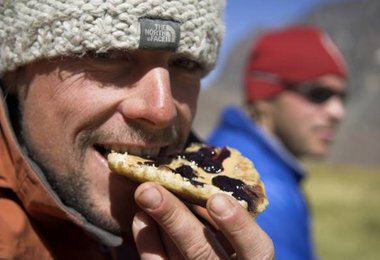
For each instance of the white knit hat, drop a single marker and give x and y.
(36, 29)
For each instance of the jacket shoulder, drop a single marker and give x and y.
(18, 238)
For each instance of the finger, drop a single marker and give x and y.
(184, 229)
(203, 215)
(171, 248)
(147, 237)
(246, 237)
(207, 220)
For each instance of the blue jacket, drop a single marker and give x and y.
(286, 220)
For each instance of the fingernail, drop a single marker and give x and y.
(221, 205)
(139, 221)
(150, 198)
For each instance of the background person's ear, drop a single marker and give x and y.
(261, 111)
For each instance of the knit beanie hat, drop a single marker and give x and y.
(283, 58)
(31, 30)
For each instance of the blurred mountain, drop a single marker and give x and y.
(355, 27)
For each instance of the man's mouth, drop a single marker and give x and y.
(144, 152)
(326, 133)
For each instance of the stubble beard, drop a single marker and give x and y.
(73, 186)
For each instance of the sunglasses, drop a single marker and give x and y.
(317, 93)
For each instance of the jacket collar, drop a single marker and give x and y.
(25, 178)
(237, 118)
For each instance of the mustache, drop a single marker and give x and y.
(333, 125)
(131, 134)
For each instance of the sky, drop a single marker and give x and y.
(242, 16)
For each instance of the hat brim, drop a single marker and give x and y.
(260, 89)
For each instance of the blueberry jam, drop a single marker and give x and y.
(186, 172)
(238, 188)
(207, 158)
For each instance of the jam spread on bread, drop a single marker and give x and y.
(238, 188)
(207, 158)
(197, 173)
(211, 161)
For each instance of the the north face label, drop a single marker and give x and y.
(159, 34)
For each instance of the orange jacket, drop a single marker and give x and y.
(34, 223)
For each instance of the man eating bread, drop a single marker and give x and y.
(80, 79)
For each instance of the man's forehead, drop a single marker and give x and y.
(331, 80)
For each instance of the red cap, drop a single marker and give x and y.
(289, 56)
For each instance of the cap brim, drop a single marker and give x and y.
(260, 89)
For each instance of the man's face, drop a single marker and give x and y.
(75, 110)
(305, 127)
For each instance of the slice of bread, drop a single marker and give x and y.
(197, 173)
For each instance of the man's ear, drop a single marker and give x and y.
(9, 82)
(261, 112)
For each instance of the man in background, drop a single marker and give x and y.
(295, 85)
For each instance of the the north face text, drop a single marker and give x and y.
(159, 34)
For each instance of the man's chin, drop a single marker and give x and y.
(318, 154)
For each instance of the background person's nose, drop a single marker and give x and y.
(336, 108)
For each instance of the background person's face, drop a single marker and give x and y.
(304, 127)
(75, 110)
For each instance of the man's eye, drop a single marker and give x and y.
(103, 55)
(187, 64)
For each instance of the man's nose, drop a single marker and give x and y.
(335, 108)
(151, 101)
